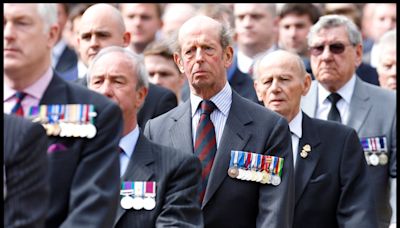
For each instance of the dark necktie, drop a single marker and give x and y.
(205, 145)
(334, 113)
(17, 109)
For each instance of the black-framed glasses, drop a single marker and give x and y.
(335, 48)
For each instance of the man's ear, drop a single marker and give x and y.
(178, 62)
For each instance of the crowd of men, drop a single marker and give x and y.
(200, 115)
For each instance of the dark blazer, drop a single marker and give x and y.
(241, 82)
(66, 66)
(84, 173)
(232, 202)
(177, 177)
(159, 100)
(332, 188)
(372, 113)
(25, 170)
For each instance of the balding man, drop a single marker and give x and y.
(231, 135)
(330, 170)
(102, 25)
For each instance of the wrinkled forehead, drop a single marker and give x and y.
(331, 34)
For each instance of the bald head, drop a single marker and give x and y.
(281, 81)
(101, 26)
(277, 58)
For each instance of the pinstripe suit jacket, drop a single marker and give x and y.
(177, 177)
(25, 160)
(84, 173)
(372, 113)
(232, 202)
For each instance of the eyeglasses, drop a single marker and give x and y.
(335, 48)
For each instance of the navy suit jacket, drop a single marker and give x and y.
(84, 173)
(177, 177)
(332, 183)
(25, 167)
(230, 202)
(158, 101)
(66, 66)
(241, 82)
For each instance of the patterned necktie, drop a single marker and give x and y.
(17, 109)
(334, 113)
(205, 145)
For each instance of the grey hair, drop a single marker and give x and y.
(388, 39)
(48, 13)
(333, 21)
(225, 37)
(260, 57)
(137, 64)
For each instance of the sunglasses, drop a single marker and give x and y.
(335, 48)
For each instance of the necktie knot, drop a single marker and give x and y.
(334, 98)
(207, 107)
(20, 95)
(17, 109)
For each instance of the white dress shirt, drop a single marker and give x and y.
(295, 127)
(324, 105)
(128, 144)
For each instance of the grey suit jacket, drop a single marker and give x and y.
(332, 182)
(372, 114)
(177, 177)
(232, 202)
(25, 167)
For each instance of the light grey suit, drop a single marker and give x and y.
(232, 202)
(372, 113)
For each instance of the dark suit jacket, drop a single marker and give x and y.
(241, 82)
(84, 173)
(332, 188)
(177, 177)
(25, 161)
(232, 202)
(66, 66)
(159, 100)
(372, 113)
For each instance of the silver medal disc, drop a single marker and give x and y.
(126, 202)
(374, 159)
(149, 203)
(138, 203)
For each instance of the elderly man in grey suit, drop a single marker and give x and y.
(241, 127)
(337, 94)
(159, 185)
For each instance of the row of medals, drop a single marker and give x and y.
(65, 129)
(375, 160)
(262, 177)
(138, 202)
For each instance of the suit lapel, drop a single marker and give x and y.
(359, 106)
(56, 92)
(139, 166)
(181, 131)
(234, 137)
(305, 166)
(309, 102)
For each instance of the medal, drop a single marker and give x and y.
(303, 154)
(233, 169)
(126, 202)
(275, 180)
(138, 195)
(126, 190)
(374, 159)
(253, 167)
(91, 131)
(383, 159)
(149, 202)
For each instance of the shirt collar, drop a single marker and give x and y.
(128, 142)
(35, 90)
(223, 100)
(345, 92)
(295, 125)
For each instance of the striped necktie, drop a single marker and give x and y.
(17, 109)
(205, 145)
